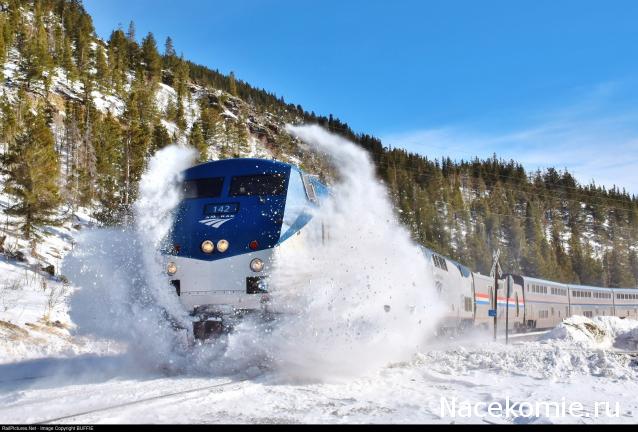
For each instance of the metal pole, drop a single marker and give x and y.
(496, 271)
(507, 310)
(495, 302)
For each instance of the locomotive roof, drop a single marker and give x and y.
(237, 166)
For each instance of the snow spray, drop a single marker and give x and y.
(361, 299)
(124, 294)
(360, 295)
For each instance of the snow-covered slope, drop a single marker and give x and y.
(34, 319)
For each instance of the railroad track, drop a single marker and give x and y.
(138, 402)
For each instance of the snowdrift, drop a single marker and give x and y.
(579, 346)
(597, 333)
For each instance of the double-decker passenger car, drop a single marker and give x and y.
(625, 303)
(591, 301)
(546, 302)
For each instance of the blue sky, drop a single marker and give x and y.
(548, 83)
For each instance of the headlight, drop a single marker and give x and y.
(222, 245)
(208, 246)
(256, 265)
(171, 268)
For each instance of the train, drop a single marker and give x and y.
(233, 216)
(523, 303)
(236, 213)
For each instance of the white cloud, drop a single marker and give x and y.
(591, 141)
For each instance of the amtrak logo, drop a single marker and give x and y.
(215, 221)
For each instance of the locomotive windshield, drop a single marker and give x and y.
(203, 188)
(262, 184)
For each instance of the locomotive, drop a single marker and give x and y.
(235, 213)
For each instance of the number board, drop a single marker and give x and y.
(221, 209)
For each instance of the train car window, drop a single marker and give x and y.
(439, 262)
(517, 305)
(309, 188)
(202, 188)
(261, 184)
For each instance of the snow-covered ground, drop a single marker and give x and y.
(577, 369)
(34, 295)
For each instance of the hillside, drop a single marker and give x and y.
(81, 116)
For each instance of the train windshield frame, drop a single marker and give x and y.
(258, 185)
(202, 188)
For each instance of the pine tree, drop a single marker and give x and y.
(633, 266)
(180, 117)
(240, 137)
(102, 72)
(169, 49)
(196, 140)
(32, 170)
(3, 45)
(161, 138)
(151, 58)
(169, 59)
(130, 34)
(232, 84)
(136, 139)
(109, 170)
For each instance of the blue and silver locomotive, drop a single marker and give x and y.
(233, 215)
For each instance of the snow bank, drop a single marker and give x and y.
(578, 346)
(597, 333)
(43, 339)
